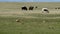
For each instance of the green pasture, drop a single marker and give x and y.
(33, 22)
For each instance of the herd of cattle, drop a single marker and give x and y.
(32, 7)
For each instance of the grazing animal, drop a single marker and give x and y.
(58, 7)
(31, 8)
(24, 8)
(36, 7)
(45, 10)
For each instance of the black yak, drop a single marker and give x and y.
(24, 8)
(31, 8)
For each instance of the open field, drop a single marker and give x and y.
(31, 22)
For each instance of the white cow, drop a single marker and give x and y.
(45, 10)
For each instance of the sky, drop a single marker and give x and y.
(29, 0)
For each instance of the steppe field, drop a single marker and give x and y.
(30, 22)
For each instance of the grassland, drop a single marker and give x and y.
(31, 22)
